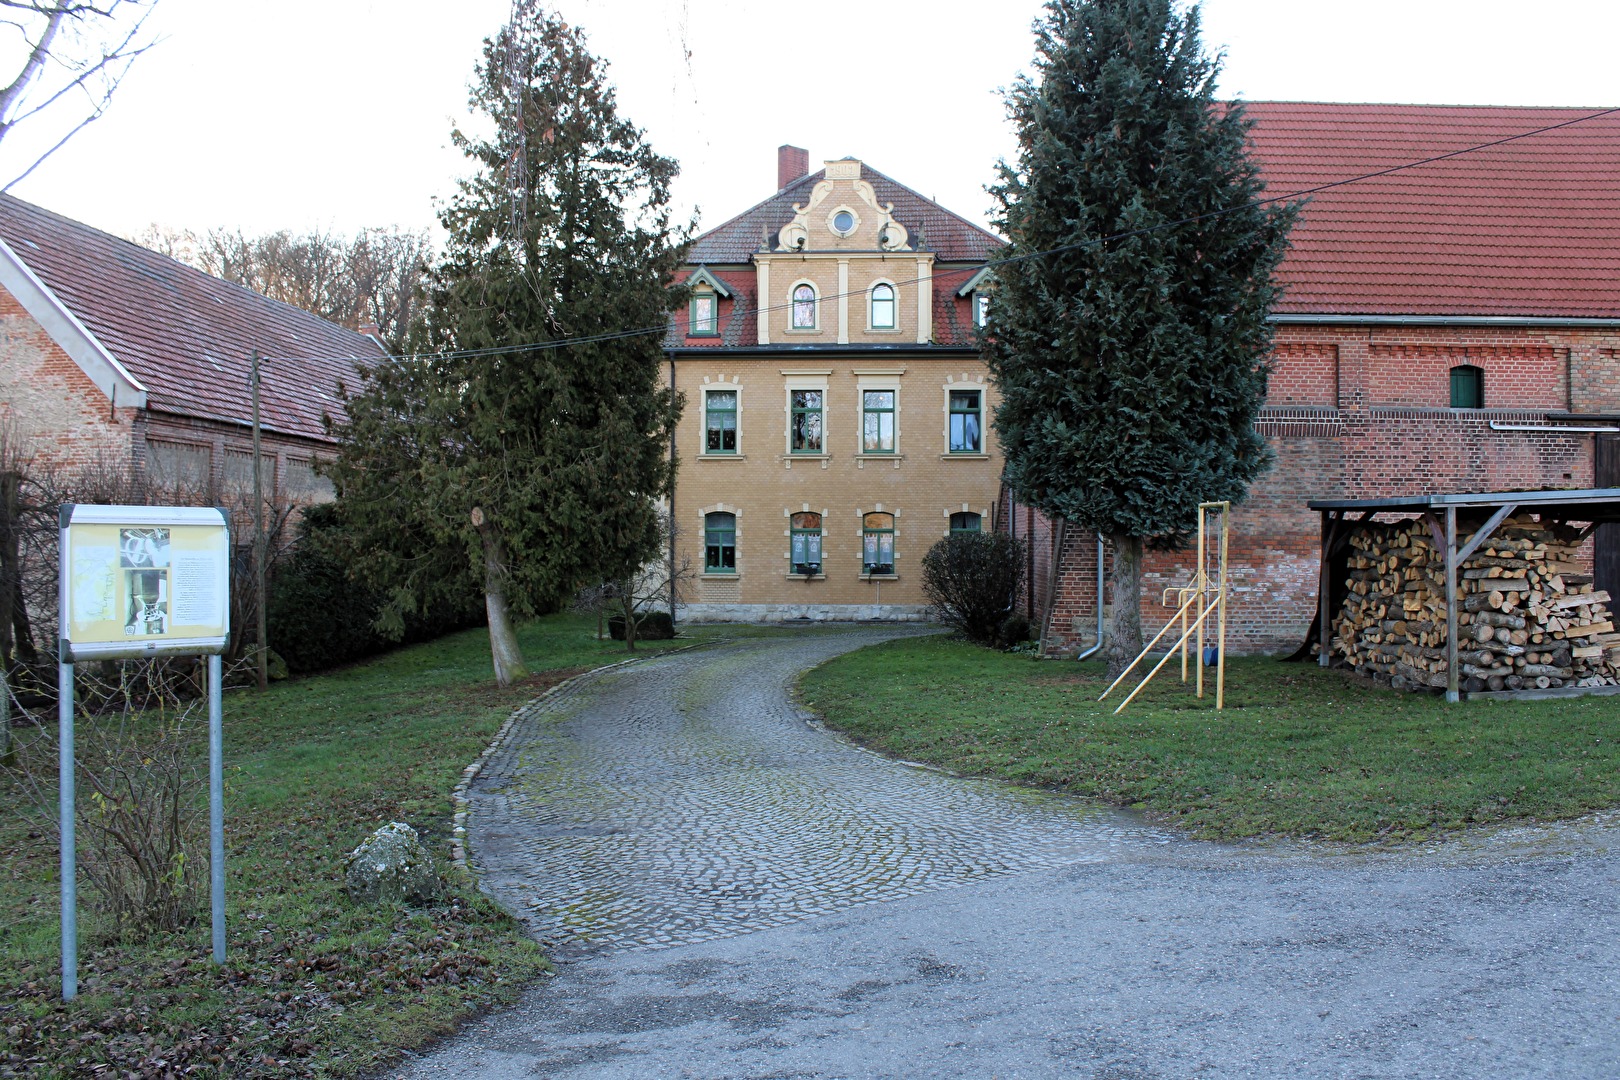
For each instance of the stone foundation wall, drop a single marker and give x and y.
(779, 613)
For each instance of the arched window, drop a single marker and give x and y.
(806, 543)
(877, 544)
(720, 543)
(1467, 387)
(964, 522)
(804, 307)
(882, 317)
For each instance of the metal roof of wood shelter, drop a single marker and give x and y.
(1441, 513)
(1567, 505)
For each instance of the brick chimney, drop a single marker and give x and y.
(792, 162)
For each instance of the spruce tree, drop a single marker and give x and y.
(1131, 359)
(525, 454)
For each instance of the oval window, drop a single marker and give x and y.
(844, 222)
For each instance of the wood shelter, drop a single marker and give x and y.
(1459, 523)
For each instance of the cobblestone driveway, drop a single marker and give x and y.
(685, 798)
(676, 828)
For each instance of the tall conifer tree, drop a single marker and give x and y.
(494, 465)
(1130, 369)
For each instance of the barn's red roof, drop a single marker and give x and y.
(187, 336)
(1529, 228)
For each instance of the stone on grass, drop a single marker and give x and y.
(392, 866)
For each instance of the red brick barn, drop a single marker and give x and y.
(1450, 327)
(114, 355)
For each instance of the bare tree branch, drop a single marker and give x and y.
(124, 54)
(91, 58)
(35, 64)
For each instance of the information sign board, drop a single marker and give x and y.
(143, 581)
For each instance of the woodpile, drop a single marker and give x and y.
(1527, 614)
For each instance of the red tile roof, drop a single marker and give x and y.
(949, 237)
(1531, 228)
(185, 335)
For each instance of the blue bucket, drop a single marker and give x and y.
(1212, 655)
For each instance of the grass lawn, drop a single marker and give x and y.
(314, 984)
(1298, 751)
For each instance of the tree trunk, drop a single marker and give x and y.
(503, 644)
(10, 568)
(629, 616)
(1125, 615)
(8, 755)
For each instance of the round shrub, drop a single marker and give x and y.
(971, 579)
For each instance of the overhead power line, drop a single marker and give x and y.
(990, 264)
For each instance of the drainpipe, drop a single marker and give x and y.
(1556, 429)
(1092, 651)
(673, 577)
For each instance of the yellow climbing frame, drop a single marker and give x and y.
(1206, 594)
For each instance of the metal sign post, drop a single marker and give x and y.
(216, 801)
(139, 583)
(70, 882)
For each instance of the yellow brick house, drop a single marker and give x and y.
(836, 420)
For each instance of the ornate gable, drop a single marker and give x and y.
(843, 214)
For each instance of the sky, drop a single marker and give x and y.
(336, 114)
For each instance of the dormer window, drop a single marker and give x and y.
(882, 307)
(704, 318)
(804, 307)
(976, 290)
(703, 303)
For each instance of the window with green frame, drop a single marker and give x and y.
(804, 307)
(877, 421)
(720, 421)
(704, 314)
(966, 428)
(1467, 387)
(720, 543)
(877, 544)
(806, 429)
(805, 549)
(965, 522)
(882, 312)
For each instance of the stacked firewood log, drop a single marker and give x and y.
(1527, 614)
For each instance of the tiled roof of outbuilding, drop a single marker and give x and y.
(187, 336)
(949, 237)
(1529, 228)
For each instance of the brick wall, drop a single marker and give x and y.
(1519, 376)
(1304, 373)
(762, 484)
(1594, 380)
(66, 423)
(63, 419)
(1366, 448)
